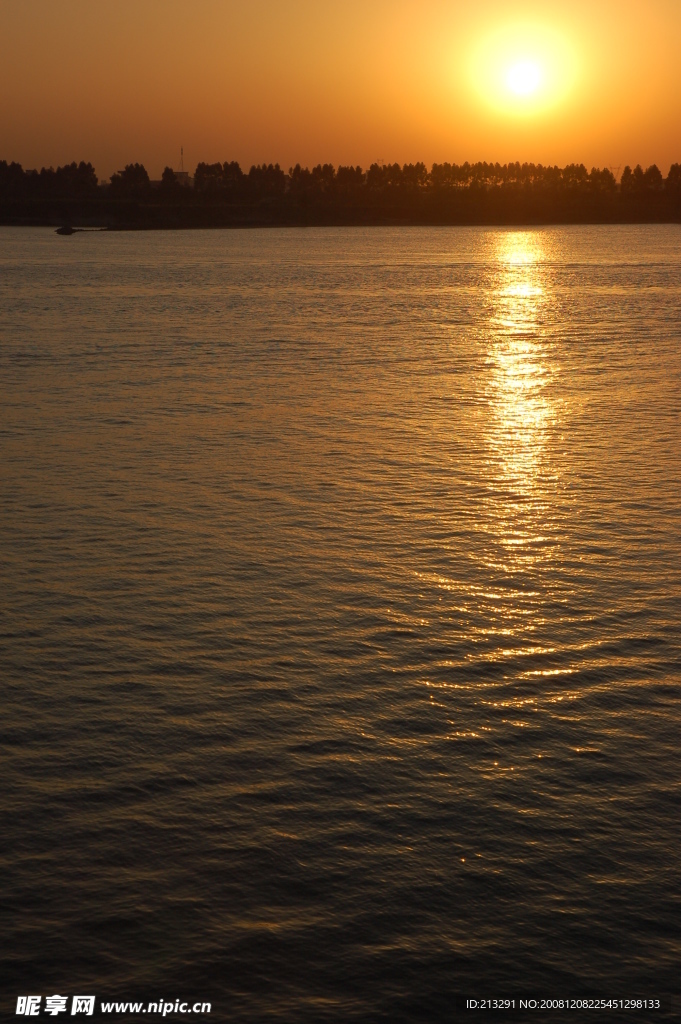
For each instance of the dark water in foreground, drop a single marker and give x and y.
(341, 617)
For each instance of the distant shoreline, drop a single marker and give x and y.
(145, 219)
(447, 195)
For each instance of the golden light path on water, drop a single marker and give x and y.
(521, 476)
(521, 364)
(523, 375)
(520, 413)
(524, 372)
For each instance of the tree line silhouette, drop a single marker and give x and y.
(222, 194)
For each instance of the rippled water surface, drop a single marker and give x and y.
(341, 616)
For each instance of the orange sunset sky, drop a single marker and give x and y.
(353, 82)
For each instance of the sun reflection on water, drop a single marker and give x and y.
(502, 603)
(520, 359)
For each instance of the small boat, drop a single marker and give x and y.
(66, 230)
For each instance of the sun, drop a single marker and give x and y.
(523, 70)
(524, 78)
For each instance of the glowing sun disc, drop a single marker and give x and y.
(523, 69)
(524, 78)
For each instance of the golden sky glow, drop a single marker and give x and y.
(351, 82)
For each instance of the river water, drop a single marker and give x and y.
(341, 617)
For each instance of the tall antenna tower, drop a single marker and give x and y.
(182, 159)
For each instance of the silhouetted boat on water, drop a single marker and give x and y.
(66, 230)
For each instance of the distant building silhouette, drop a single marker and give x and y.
(183, 177)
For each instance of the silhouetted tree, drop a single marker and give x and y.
(130, 183)
(673, 180)
(602, 181)
(652, 178)
(415, 175)
(232, 175)
(73, 181)
(207, 177)
(324, 177)
(12, 180)
(627, 180)
(350, 178)
(575, 175)
(638, 179)
(268, 180)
